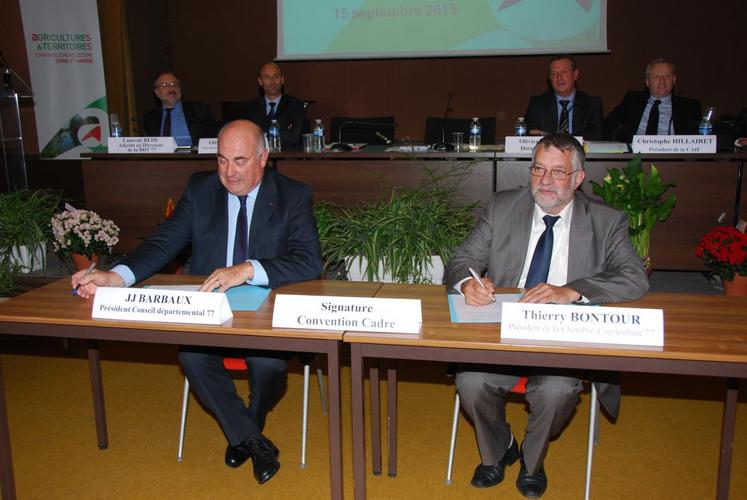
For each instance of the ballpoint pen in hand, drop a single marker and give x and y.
(88, 271)
(477, 277)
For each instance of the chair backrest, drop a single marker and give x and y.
(434, 125)
(232, 110)
(362, 129)
(235, 364)
(521, 386)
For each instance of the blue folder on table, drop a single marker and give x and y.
(246, 297)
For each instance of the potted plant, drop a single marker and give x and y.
(24, 229)
(404, 238)
(724, 250)
(642, 197)
(83, 235)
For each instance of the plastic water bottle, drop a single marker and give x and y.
(114, 125)
(705, 127)
(474, 134)
(520, 129)
(319, 136)
(273, 137)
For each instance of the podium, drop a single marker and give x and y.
(14, 94)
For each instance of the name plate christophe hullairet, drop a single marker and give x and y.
(362, 314)
(165, 306)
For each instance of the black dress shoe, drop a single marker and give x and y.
(237, 455)
(264, 456)
(531, 485)
(490, 475)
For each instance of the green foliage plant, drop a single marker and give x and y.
(24, 222)
(640, 196)
(400, 233)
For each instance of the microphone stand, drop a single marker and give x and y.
(443, 145)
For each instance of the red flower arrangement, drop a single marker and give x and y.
(724, 250)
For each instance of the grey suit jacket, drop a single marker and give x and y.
(602, 264)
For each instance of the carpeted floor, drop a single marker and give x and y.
(665, 444)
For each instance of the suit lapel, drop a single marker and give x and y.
(266, 203)
(219, 205)
(579, 239)
(551, 105)
(520, 227)
(579, 112)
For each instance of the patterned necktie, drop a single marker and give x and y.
(539, 269)
(563, 123)
(167, 123)
(652, 127)
(271, 114)
(241, 240)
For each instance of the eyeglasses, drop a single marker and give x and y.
(556, 174)
(166, 85)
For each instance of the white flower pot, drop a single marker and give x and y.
(357, 271)
(28, 262)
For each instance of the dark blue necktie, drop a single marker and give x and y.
(167, 123)
(271, 114)
(563, 123)
(241, 240)
(540, 266)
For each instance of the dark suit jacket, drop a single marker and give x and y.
(283, 234)
(602, 264)
(197, 114)
(542, 114)
(289, 115)
(622, 123)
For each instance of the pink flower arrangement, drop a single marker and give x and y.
(83, 232)
(724, 250)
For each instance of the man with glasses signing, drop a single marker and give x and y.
(561, 248)
(187, 122)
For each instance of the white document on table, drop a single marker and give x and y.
(462, 313)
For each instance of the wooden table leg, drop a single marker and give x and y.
(7, 481)
(391, 378)
(373, 389)
(97, 388)
(359, 436)
(335, 423)
(727, 438)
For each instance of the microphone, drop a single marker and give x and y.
(341, 146)
(443, 145)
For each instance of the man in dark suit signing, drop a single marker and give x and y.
(565, 108)
(274, 104)
(560, 247)
(656, 111)
(187, 122)
(245, 224)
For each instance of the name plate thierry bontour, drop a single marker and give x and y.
(361, 314)
(207, 146)
(673, 144)
(163, 306)
(141, 145)
(585, 324)
(525, 143)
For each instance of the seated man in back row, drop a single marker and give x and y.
(186, 122)
(560, 247)
(656, 111)
(565, 109)
(245, 224)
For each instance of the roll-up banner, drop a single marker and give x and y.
(63, 46)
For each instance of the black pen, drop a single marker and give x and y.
(88, 271)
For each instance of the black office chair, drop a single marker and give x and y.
(433, 127)
(232, 110)
(362, 129)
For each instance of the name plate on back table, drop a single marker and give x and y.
(361, 314)
(162, 306)
(141, 145)
(525, 143)
(674, 144)
(208, 146)
(583, 324)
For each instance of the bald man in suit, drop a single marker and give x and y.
(590, 259)
(274, 243)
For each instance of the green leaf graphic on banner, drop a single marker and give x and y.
(84, 131)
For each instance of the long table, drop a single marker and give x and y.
(133, 189)
(51, 311)
(703, 335)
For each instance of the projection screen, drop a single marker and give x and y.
(366, 29)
